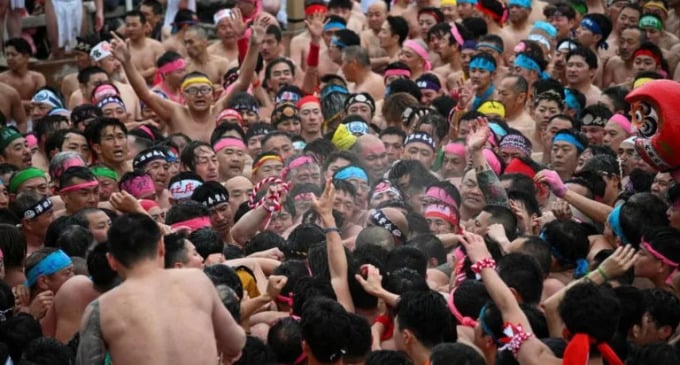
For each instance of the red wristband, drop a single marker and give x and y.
(487, 263)
(242, 45)
(313, 55)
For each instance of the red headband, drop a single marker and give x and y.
(648, 53)
(431, 12)
(308, 99)
(316, 8)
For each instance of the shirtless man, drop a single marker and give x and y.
(448, 47)
(619, 69)
(411, 16)
(518, 16)
(225, 46)
(300, 43)
(513, 93)
(377, 13)
(69, 84)
(184, 19)
(88, 79)
(10, 106)
(23, 80)
(199, 59)
(145, 51)
(327, 65)
(581, 69)
(356, 66)
(492, 12)
(62, 320)
(196, 118)
(135, 312)
(393, 33)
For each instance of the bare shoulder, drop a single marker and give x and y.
(37, 76)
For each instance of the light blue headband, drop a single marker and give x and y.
(493, 46)
(571, 101)
(546, 27)
(482, 64)
(47, 97)
(564, 137)
(520, 3)
(524, 61)
(351, 172)
(338, 43)
(473, 2)
(333, 25)
(614, 221)
(53, 263)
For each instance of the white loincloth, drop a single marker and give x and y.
(69, 20)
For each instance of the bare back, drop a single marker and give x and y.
(27, 85)
(164, 317)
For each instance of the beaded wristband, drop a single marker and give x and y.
(487, 263)
(515, 338)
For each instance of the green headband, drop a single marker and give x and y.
(23, 176)
(580, 8)
(101, 171)
(7, 136)
(650, 22)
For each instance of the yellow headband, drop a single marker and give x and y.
(448, 3)
(195, 80)
(492, 107)
(641, 81)
(264, 159)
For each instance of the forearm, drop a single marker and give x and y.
(149, 73)
(504, 299)
(337, 262)
(247, 226)
(311, 78)
(449, 239)
(491, 187)
(596, 211)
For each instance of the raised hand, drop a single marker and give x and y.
(315, 25)
(41, 304)
(553, 180)
(120, 48)
(475, 246)
(370, 279)
(259, 28)
(561, 209)
(479, 135)
(275, 284)
(236, 22)
(125, 203)
(324, 205)
(619, 262)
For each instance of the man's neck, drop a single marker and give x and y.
(493, 28)
(229, 43)
(20, 71)
(392, 51)
(520, 25)
(308, 136)
(202, 58)
(419, 354)
(513, 113)
(141, 269)
(481, 90)
(362, 76)
(582, 87)
(169, 88)
(139, 42)
(455, 63)
(33, 241)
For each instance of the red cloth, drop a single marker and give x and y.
(388, 322)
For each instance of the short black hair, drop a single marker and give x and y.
(319, 315)
(522, 273)
(85, 74)
(94, 130)
(13, 245)
(591, 309)
(285, 339)
(398, 26)
(588, 55)
(455, 354)
(426, 315)
(407, 256)
(75, 172)
(20, 45)
(568, 241)
(359, 341)
(224, 275)
(98, 267)
(188, 155)
(663, 307)
(133, 238)
(186, 210)
(136, 13)
(388, 357)
(657, 353)
(275, 31)
(431, 246)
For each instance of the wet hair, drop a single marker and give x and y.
(76, 172)
(285, 339)
(431, 246)
(505, 217)
(476, 25)
(302, 238)
(427, 316)
(94, 130)
(98, 266)
(307, 289)
(48, 126)
(469, 297)
(359, 341)
(293, 270)
(256, 352)
(522, 273)
(455, 354)
(20, 45)
(207, 241)
(85, 74)
(590, 309)
(540, 86)
(528, 200)
(320, 148)
(398, 26)
(407, 256)
(188, 155)
(640, 211)
(263, 241)
(17, 332)
(319, 315)
(568, 241)
(588, 55)
(663, 308)
(270, 66)
(133, 238)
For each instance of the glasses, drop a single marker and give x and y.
(203, 90)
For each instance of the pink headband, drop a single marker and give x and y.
(456, 35)
(492, 160)
(441, 195)
(81, 186)
(657, 255)
(465, 321)
(148, 204)
(147, 131)
(103, 91)
(229, 142)
(417, 48)
(398, 72)
(300, 161)
(457, 149)
(175, 65)
(193, 224)
(31, 140)
(443, 212)
(622, 122)
(229, 113)
(139, 186)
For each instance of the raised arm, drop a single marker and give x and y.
(163, 108)
(486, 179)
(337, 260)
(245, 76)
(315, 25)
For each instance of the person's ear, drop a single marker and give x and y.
(97, 148)
(113, 263)
(42, 282)
(408, 336)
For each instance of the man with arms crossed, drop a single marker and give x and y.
(194, 330)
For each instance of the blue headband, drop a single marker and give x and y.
(614, 221)
(333, 25)
(524, 61)
(351, 172)
(482, 64)
(520, 3)
(498, 130)
(581, 264)
(53, 263)
(338, 43)
(571, 101)
(47, 97)
(546, 27)
(333, 89)
(564, 137)
(591, 25)
(473, 2)
(493, 46)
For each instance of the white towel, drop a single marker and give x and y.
(69, 20)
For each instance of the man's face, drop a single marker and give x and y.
(18, 154)
(586, 37)
(94, 81)
(344, 204)
(428, 95)
(507, 95)
(335, 166)
(281, 145)
(270, 48)
(111, 65)
(376, 16)
(374, 156)
(307, 174)
(39, 110)
(150, 16)
(15, 59)
(362, 110)
(564, 157)
(628, 18)
(199, 96)
(194, 44)
(194, 259)
(159, 170)
(628, 157)
(555, 125)
(221, 217)
(471, 195)
(76, 200)
(562, 24)
(673, 214)
(642, 63)
(311, 118)
(99, 224)
(206, 164)
(231, 161)
(280, 75)
(385, 36)
(629, 41)
(662, 182)
(480, 78)
(239, 188)
(134, 29)
(426, 21)
(394, 147)
(518, 14)
(419, 151)
(594, 134)
(453, 166)
(578, 71)
(269, 168)
(76, 143)
(116, 111)
(56, 280)
(439, 226)
(107, 187)
(113, 145)
(255, 145)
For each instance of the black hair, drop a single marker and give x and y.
(155, 6)
(485, 57)
(285, 339)
(663, 308)
(274, 62)
(617, 95)
(133, 238)
(359, 341)
(256, 352)
(275, 31)
(17, 332)
(455, 354)
(657, 353)
(94, 129)
(505, 217)
(75, 172)
(640, 211)
(387, 357)
(563, 8)
(590, 309)
(318, 316)
(431, 246)
(407, 256)
(469, 297)
(301, 238)
(568, 241)
(48, 125)
(263, 241)
(185, 210)
(345, 186)
(476, 25)
(540, 86)
(398, 26)
(528, 200)
(426, 315)
(307, 289)
(522, 273)
(47, 350)
(588, 55)
(207, 241)
(293, 270)
(219, 132)
(320, 148)
(75, 241)
(20, 45)
(348, 37)
(85, 74)
(98, 267)
(188, 155)
(175, 249)
(224, 275)
(592, 181)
